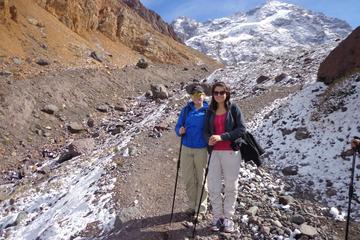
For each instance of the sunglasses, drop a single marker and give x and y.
(219, 93)
(197, 94)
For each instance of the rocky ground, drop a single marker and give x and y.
(127, 162)
(264, 208)
(39, 114)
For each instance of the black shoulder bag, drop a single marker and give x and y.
(248, 146)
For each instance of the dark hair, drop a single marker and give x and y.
(197, 89)
(213, 103)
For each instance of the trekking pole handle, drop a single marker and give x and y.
(355, 144)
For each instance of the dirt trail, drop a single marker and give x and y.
(25, 130)
(152, 182)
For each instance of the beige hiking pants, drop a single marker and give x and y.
(224, 165)
(192, 164)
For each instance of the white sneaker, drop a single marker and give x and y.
(216, 225)
(229, 225)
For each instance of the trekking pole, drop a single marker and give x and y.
(176, 180)
(201, 195)
(351, 191)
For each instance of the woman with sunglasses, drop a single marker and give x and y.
(223, 123)
(193, 159)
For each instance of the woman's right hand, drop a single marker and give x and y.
(355, 143)
(182, 131)
(214, 139)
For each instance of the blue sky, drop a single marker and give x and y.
(202, 10)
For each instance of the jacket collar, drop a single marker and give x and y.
(192, 105)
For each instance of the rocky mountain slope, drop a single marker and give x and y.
(58, 46)
(274, 28)
(85, 33)
(343, 60)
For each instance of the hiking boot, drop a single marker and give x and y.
(201, 217)
(190, 212)
(188, 224)
(215, 225)
(229, 225)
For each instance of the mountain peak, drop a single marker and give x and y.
(274, 28)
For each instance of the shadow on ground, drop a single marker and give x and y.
(156, 228)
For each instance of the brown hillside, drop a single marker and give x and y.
(78, 55)
(66, 32)
(153, 18)
(344, 59)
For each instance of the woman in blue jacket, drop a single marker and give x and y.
(193, 160)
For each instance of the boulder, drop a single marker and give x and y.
(82, 146)
(280, 77)
(50, 109)
(142, 63)
(262, 79)
(76, 148)
(159, 91)
(149, 94)
(286, 200)
(308, 230)
(6, 73)
(102, 108)
(302, 133)
(120, 107)
(290, 171)
(42, 62)
(297, 219)
(252, 211)
(97, 56)
(90, 122)
(75, 127)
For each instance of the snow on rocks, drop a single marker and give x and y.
(75, 196)
(305, 134)
(317, 159)
(259, 216)
(272, 29)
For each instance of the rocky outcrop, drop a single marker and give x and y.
(153, 18)
(344, 59)
(127, 21)
(85, 15)
(4, 10)
(77, 15)
(108, 23)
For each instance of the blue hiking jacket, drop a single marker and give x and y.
(194, 125)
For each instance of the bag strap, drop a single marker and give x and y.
(233, 114)
(186, 112)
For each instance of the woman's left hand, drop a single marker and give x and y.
(214, 139)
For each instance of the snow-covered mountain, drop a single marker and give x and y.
(306, 126)
(305, 133)
(274, 28)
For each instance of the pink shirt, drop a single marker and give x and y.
(219, 124)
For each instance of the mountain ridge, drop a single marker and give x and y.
(65, 33)
(274, 28)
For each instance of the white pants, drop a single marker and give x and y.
(223, 165)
